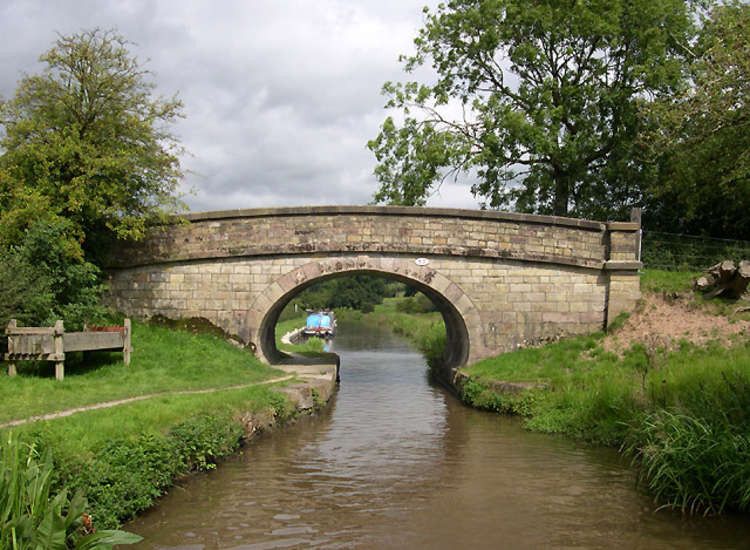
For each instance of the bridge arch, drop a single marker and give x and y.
(459, 313)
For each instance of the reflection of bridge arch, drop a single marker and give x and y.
(462, 321)
(501, 280)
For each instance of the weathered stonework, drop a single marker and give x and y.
(501, 280)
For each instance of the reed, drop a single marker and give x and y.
(694, 449)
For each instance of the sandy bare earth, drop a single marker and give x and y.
(669, 321)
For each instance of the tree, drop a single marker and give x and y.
(88, 139)
(700, 138)
(547, 92)
(85, 157)
(43, 279)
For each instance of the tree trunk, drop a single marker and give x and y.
(562, 193)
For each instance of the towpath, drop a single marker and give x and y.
(107, 404)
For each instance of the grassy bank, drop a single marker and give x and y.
(162, 360)
(123, 458)
(682, 412)
(686, 422)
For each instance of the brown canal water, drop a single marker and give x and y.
(395, 462)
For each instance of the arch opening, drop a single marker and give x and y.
(457, 342)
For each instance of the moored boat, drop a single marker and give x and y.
(321, 324)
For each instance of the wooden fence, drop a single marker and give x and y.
(51, 343)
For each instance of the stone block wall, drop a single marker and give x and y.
(502, 281)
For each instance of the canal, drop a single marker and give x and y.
(395, 462)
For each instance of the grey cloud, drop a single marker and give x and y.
(280, 96)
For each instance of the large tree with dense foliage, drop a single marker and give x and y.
(546, 93)
(85, 157)
(700, 137)
(88, 141)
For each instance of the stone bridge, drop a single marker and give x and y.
(500, 280)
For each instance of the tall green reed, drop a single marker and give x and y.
(694, 451)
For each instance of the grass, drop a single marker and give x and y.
(80, 435)
(555, 363)
(657, 280)
(162, 361)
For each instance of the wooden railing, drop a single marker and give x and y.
(51, 343)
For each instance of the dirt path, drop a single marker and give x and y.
(107, 404)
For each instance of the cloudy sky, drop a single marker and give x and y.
(280, 96)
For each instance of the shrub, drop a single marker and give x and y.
(126, 476)
(415, 304)
(201, 441)
(48, 279)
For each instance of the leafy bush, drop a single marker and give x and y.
(25, 293)
(200, 442)
(126, 476)
(48, 279)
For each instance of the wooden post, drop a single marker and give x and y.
(126, 343)
(636, 216)
(11, 365)
(84, 354)
(59, 351)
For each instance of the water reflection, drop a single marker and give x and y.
(397, 463)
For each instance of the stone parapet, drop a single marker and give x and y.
(395, 230)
